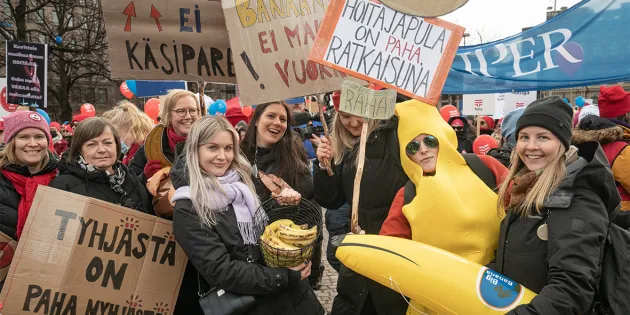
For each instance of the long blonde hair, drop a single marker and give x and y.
(128, 116)
(343, 142)
(550, 178)
(203, 185)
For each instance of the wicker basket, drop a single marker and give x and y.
(305, 212)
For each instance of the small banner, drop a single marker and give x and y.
(78, 255)
(372, 42)
(365, 102)
(27, 74)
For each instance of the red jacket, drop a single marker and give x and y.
(396, 223)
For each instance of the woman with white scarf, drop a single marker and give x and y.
(217, 222)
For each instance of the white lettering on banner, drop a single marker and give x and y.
(521, 50)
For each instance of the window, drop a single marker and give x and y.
(38, 17)
(101, 96)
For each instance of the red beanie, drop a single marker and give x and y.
(483, 144)
(489, 123)
(613, 101)
(80, 117)
(21, 120)
(55, 124)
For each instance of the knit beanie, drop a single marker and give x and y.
(551, 113)
(613, 101)
(489, 123)
(21, 120)
(508, 126)
(588, 111)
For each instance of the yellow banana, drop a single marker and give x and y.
(276, 242)
(288, 233)
(300, 243)
(274, 225)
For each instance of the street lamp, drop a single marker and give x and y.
(465, 35)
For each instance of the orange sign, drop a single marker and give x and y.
(370, 41)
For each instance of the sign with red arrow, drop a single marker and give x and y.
(156, 15)
(129, 11)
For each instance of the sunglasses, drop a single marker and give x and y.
(458, 128)
(430, 142)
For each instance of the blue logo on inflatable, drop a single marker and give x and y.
(497, 291)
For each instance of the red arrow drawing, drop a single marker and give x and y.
(156, 15)
(129, 11)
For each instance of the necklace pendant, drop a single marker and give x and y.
(543, 232)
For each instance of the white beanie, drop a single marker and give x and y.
(588, 110)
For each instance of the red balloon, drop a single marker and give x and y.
(152, 108)
(125, 90)
(247, 110)
(483, 144)
(88, 109)
(449, 111)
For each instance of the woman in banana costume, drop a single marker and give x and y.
(217, 221)
(453, 208)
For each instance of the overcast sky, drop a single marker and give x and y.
(496, 19)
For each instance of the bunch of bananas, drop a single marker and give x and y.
(286, 244)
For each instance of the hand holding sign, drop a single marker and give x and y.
(367, 103)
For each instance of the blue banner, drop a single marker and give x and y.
(153, 88)
(588, 44)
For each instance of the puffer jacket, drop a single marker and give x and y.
(10, 199)
(96, 185)
(382, 177)
(564, 269)
(612, 137)
(221, 256)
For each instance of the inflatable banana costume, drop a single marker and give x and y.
(443, 282)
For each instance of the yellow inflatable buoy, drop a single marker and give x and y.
(443, 282)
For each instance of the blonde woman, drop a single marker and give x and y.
(556, 201)
(179, 111)
(217, 222)
(25, 163)
(382, 177)
(132, 125)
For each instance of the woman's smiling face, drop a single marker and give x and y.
(271, 126)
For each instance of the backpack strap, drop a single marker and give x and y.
(481, 170)
(410, 192)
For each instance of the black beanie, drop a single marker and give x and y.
(551, 113)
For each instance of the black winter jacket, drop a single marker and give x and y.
(563, 271)
(10, 199)
(383, 176)
(139, 160)
(221, 258)
(96, 185)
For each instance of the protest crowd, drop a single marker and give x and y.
(224, 205)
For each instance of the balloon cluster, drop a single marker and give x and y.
(219, 107)
(126, 90)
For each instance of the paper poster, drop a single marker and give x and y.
(482, 104)
(27, 74)
(365, 102)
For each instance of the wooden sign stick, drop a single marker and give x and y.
(478, 122)
(202, 98)
(320, 102)
(355, 228)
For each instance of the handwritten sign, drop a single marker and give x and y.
(365, 102)
(271, 40)
(375, 43)
(78, 255)
(168, 40)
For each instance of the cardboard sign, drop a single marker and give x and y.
(365, 102)
(168, 40)
(370, 41)
(79, 255)
(27, 74)
(425, 8)
(271, 41)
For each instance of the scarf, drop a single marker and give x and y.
(130, 154)
(173, 138)
(116, 180)
(524, 180)
(250, 217)
(26, 187)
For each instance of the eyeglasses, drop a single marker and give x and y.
(182, 112)
(430, 142)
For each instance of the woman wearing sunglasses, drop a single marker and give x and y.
(449, 202)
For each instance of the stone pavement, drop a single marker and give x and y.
(328, 290)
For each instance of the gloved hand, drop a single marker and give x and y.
(151, 168)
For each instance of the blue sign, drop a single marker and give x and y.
(154, 88)
(585, 45)
(497, 291)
